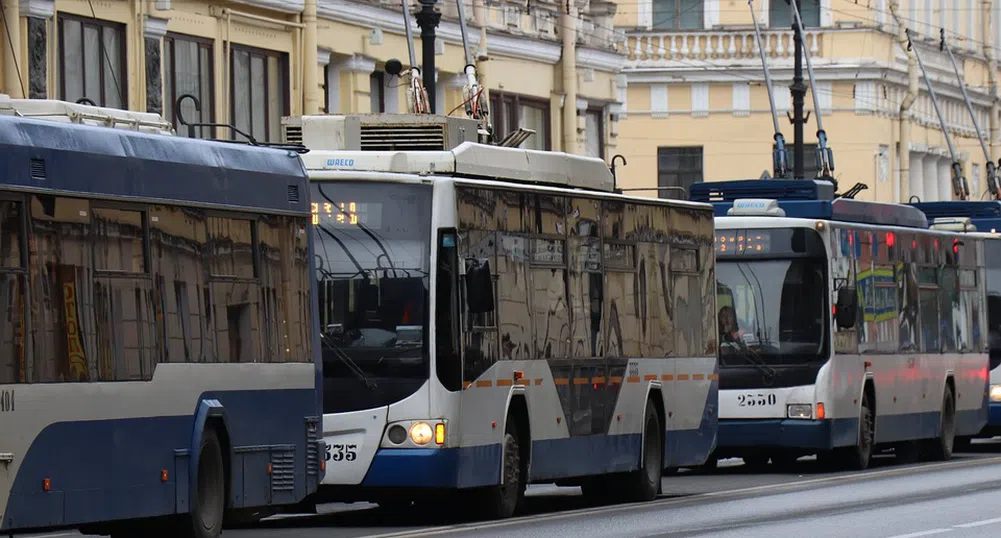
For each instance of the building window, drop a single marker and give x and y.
(780, 13)
(678, 167)
(91, 60)
(809, 160)
(509, 112)
(259, 92)
(377, 91)
(677, 14)
(595, 133)
(187, 69)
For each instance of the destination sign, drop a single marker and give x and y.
(347, 214)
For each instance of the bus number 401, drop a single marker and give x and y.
(754, 400)
(342, 452)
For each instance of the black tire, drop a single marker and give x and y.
(209, 505)
(504, 500)
(858, 457)
(940, 448)
(643, 484)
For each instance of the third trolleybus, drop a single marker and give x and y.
(845, 326)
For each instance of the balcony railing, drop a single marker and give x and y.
(729, 46)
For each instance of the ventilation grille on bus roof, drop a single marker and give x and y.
(777, 189)
(387, 137)
(293, 134)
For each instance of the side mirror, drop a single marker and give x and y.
(847, 308)
(479, 287)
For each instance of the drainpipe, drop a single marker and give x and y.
(905, 106)
(11, 58)
(568, 22)
(311, 89)
(992, 80)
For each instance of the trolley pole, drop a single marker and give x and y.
(428, 19)
(798, 89)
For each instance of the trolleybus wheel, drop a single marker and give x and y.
(862, 455)
(940, 448)
(503, 500)
(209, 504)
(643, 484)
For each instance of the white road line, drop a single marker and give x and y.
(978, 523)
(922, 533)
(449, 529)
(53, 535)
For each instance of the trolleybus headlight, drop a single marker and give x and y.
(397, 434)
(800, 411)
(421, 433)
(996, 393)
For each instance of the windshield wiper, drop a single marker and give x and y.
(752, 358)
(340, 354)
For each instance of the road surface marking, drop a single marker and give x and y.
(922, 533)
(978, 523)
(539, 518)
(53, 535)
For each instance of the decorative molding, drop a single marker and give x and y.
(358, 64)
(600, 59)
(581, 105)
(501, 44)
(37, 9)
(154, 27)
(700, 99)
(285, 6)
(323, 56)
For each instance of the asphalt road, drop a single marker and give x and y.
(954, 499)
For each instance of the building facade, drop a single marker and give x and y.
(252, 62)
(696, 106)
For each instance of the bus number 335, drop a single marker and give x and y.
(339, 452)
(754, 400)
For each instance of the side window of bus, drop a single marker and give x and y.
(284, 278)
(449, 361)
(14, 367)
(123, 298)
(178, 238)
(62, 329)
(234, 289)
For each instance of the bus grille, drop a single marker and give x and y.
(312, 446)
(420, 137)
(283, 469)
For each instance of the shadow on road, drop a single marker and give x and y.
(414, 517)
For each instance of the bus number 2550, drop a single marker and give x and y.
(756, 400)
(338, 452)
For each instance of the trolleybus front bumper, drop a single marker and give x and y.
(735, 435)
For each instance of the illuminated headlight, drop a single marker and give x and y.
(421, 433)
(800, 411)
(996, 393)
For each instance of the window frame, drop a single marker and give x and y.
(775, 5)
(677, 17)
(284, 66)
(671, 193)
(170, 94)
(508, 106)
(600, 113)
(102, 25)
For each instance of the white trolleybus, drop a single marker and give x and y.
(495, 316)
(981, 218)
(845, 326)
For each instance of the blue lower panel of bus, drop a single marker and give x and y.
(551, 459)
(994, 415)
(105, 470)
(827, 434)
